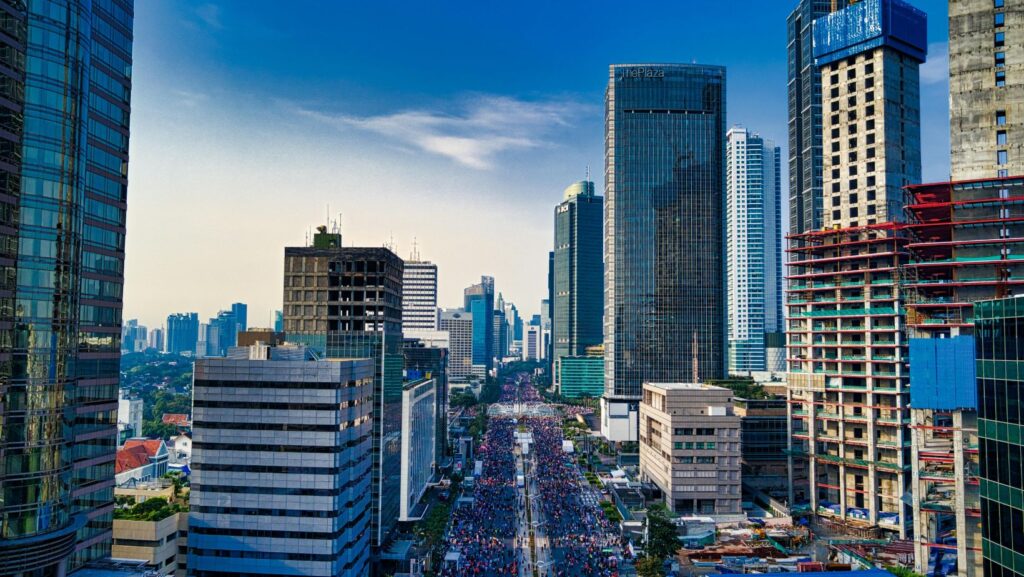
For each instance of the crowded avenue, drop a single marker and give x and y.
(530, 511)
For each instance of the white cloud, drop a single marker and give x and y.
(210, 15)
(483, 128)
(935, 70)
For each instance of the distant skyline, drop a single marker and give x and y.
(457, 124)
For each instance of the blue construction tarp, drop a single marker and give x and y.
(870, 24)
(942, 374)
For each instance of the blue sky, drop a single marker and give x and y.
(455, 123)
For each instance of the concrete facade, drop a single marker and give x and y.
(986, 88)
(690, 447)
(161, 544)
(419, 296)
(458, 323)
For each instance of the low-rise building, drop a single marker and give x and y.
(140, 460)
(690, 448)
(155, 533)
(582, 376)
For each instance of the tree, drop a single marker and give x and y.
(648, 566)
(662, 540)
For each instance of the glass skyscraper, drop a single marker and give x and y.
(479, 301)
(664, 253)
(753, 249)
(999, 334)
(578, 280)
(65, 81)
(804, 93)
(182, 333)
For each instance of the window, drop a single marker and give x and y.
(851, 115)
(871, 209)
(853, 170)
(1002, 173)
(835, 133)
(852, 143)
(835, 105)
(1000, 59)
(871, 165)
(853, 184)
(870, 110)
(836, 215)
(835, 147)
(870, 124)
(871, 138)
(1000, 39)
(835, 201)
(1000, 18)
(1001, 138)
(871, 193)
(869, 83)
(1001, 157)
(853, 212)
(853, 199)
(869, 68)
(835, 173)
(835, 92)
(871, 182)
(851, 73)
(1000, 78)
(1000, 118)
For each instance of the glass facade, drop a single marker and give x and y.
(346, 303)
(999, 333)
(804, 94)
(479, 302)
(66, 84)
(753, 248)
(578, 273)
(182, 333)
(581, 377)
(664, 220)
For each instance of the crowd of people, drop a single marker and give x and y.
(580, 537)
(484, 533)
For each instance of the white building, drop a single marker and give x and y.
(129, 418)
(419, 295)
(458, 323)
(419, 430)
(753, 248)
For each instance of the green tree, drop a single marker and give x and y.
(662, 540)
(648, 566)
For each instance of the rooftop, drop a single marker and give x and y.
(686, 387)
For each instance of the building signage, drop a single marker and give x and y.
(642, 72)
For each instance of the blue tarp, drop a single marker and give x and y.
(942, 374)
(870, 24)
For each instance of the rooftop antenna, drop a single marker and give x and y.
(695, 360)
(415, 254)
(390, 244)
(588, 172)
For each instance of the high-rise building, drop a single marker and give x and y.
(419, 295)
(241, 313)
(753, 221)
(986, 88)
(63, 190)
(156, 340)
(533, 343)
(287, 492)
(278, 321)
(222, 334)
(500, 328)
(428, 356)
(479, 302)
(547, 310)
(458, 323)
(420, 399)
(804, 94)
(848, 375)
(578, 279)
(1000, 390)
(664, 273)
(690, 448)
(182, 333)
(350, 307)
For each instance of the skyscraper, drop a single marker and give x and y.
(222, 334)
(804, 94)
(241, 312)
(479, 301)
(578, 279)
(459, 325)
(64, 165)
(288, 492)
(182, 333)
(753, 248)
(664, 199)
(345, 302)
(986, 86)
(419, 295)
(848, 378)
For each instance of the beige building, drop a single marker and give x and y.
(690, 448)
(162, 544)
(986, 88)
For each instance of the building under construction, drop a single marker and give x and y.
(967, 245)
(848, 382)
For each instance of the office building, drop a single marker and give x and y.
(182, 333)
(664, 293)
(753, 222)
(804, 96)
(156, 340)
(764, 438)
(848, 375)
(533, 343)
(278, 321)
(429, 357)
(690, 448)
(281, 464)
(578, 279)
(63, 192)
(582, 376)
(999, 345)
(420, 400)
(459, 326)
(222, 334)
(500, 328)
(346, 303)
(479, 302)
(419, 295)
(241, 313)
(986, 89)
